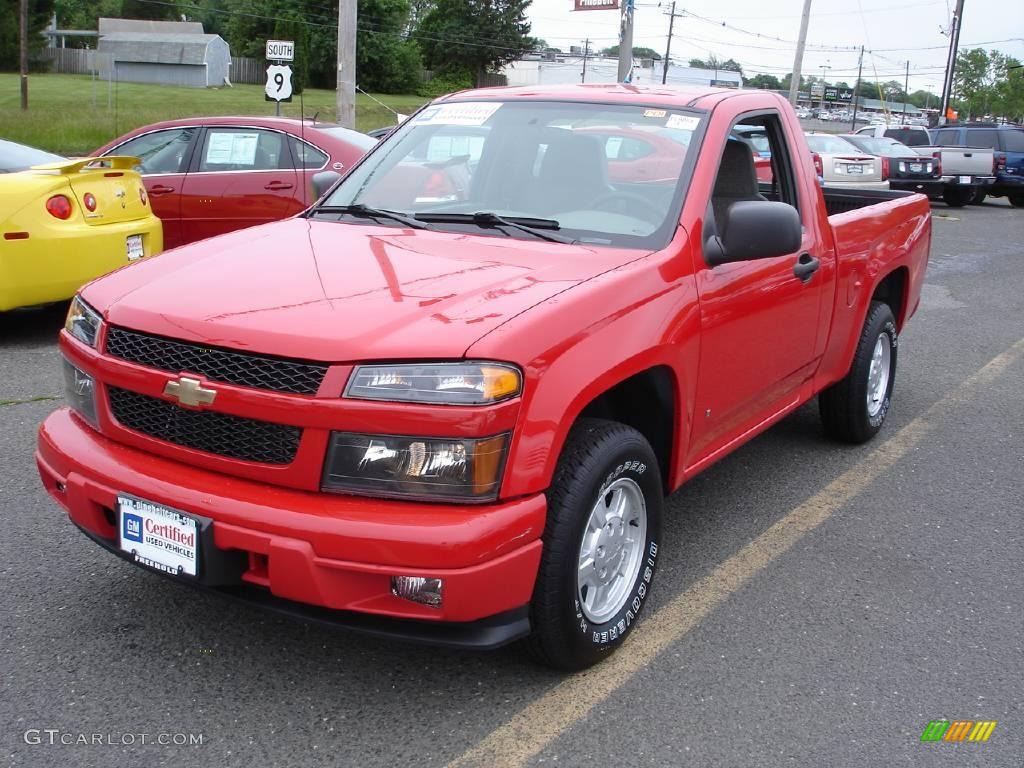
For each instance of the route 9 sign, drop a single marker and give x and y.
(279, 83)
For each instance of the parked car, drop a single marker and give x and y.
(843, 165)
(211, 175)
(901, 165)
(1007, 142)
(67, 222)
(757, 137)
(16, 157)
(966, 171)
(456, 422)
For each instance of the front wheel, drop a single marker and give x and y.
(1016, 199)
(600, 545)
(854, 408)
(957, 197)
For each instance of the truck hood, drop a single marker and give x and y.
(337, 292)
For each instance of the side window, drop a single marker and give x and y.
(775, 177)
(242, 149)
(946, 138)
(305, 155)
(160, 151)
(983, 139)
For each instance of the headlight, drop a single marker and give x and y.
(440, 383)
(80, 391)
(434, 468)
(83, 322)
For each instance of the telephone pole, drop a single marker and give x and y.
(906, 94)
(668, 46)
(23, 66)
(856, 89)
(794, 85)
(346, 94)
(586, 51)
(954, 41)
(625, 73)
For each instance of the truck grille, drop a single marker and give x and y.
(230, 367)
(219, 433)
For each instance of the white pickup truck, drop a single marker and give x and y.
(965, 170)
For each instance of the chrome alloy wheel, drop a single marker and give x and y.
(878, 374)
(612, 550)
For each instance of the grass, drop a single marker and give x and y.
(70, 114)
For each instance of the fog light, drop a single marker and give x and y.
(80, 391)
(418, 589)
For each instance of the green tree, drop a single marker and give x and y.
(474, 35)
(10, 46)
(638, 52)
(771, 82)
(1008, 97)
(713, 62)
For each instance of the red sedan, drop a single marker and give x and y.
(210, 175)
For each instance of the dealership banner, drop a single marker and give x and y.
(596, 5)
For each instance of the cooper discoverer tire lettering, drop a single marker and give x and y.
(601, 544)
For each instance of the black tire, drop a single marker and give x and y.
(1016, 199)
(844, 406)
(597, 454)
(979, 196)
(957, 197)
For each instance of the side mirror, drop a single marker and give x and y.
(323, 181)
(754, 229)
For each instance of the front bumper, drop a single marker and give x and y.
(324, 557)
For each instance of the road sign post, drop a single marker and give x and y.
(279, 75)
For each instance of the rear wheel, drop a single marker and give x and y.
(979, 196)
(957, 197)
(1016, 199)
(854, 408)
(600, 545)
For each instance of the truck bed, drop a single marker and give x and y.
(844, 200)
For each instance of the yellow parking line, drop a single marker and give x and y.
(540, 722)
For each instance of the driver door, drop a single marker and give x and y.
(759, 324)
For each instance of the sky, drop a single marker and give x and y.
(761, 34)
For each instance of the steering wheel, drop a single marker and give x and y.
(642, 206)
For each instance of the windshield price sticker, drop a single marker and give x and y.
(683, 122)
(655, 112)
(462, 113)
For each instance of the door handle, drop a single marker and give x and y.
(806, 266)
(160, 189)
(276, 185)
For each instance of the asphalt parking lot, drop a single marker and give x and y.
(817, 605)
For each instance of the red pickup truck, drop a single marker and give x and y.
(451, 412)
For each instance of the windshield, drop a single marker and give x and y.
(596, 173)
(830, 145)
(18, 157)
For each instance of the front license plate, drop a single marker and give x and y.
(965, 179)
(135, 251)
(854, 169)
(158, 537)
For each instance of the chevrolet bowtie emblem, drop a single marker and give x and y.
(189, 392)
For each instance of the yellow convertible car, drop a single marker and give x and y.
(64, 223)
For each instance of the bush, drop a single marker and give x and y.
(448, 82)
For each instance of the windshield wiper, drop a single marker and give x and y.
(526, 224)
(358, 209)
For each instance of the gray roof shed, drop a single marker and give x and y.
(164, 52)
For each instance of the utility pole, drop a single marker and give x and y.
(346, 94)
(625, 73)
(794, 85)
(23, 34)
(586, 51)
(822, 104)
(856, 89)
(906, 94)
(954, 41)
(668, 46)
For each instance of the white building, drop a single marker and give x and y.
(569, 69)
